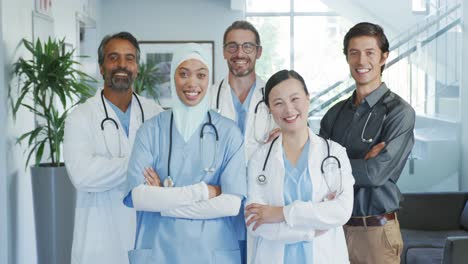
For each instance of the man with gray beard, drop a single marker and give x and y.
(240, 95)
(99, 136)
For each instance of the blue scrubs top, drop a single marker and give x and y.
(297, 186)
(242, 109)
(124, 117)
(162, 239)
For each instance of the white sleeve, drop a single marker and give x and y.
(329, 214)
(157, 199)
(221, 206)
(87, 171)
(282, 232)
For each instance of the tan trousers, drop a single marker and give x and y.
(374, 244)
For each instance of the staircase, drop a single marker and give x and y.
(404, 53)
(424, 68)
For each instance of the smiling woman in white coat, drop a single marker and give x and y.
(300, 186)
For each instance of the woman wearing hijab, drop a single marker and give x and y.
(192, 185)
(300, 186)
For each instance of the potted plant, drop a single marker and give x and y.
(147, 79)
(49, 84)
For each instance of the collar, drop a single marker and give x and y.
(314, 145)
(373, 97)
(256, 86)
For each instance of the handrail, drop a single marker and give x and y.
(428, 25)
(390, 63)
(393, 47)
(324, 91)
(425, 42)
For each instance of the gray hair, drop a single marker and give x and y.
(120, 35)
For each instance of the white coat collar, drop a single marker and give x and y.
(225, 97)
(135, 117)
(317, 148)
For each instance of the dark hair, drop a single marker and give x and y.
(242, 24)
(367, 29)
(120, 35)
(279, 77)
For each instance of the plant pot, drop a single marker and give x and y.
(54, 209)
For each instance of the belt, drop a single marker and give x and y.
(374, 220)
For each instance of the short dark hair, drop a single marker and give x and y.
(367, 29)
(245, 25)
(120, 35)
(279, 77)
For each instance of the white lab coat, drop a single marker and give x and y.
(227, 109)
(317, 221)
(104, 227)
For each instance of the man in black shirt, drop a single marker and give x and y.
(376, 127)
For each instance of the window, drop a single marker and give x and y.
(420, 6)
(303, 35)
(423, 68)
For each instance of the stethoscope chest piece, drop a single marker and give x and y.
(261, 179)
(168, 182)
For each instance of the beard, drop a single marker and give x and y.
(119, 83)
(240, 73)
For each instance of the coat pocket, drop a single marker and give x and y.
(138, 256)
(227, 256)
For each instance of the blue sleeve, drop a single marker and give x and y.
(142, 156)
(233, 179)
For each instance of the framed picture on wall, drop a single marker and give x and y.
(44, 7)
(42, 26)
(158, 54)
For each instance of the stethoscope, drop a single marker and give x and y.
(363, 132)
(107, 118)
(262, 178)
(114, 122)
(264, 135)
(169, 182)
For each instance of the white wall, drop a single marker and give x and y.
(170, 20)
(4, 230)
(17, 24)
(16, 21)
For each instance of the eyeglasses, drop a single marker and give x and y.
(247, 47)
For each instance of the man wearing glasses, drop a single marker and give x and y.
(239, 96)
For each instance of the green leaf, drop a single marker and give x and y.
(40, 151)
(52, 81)
(32, 150)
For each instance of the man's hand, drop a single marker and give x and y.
(263, 214)
(213, 191)
(375, 150)
(151, 177)
(273, 134)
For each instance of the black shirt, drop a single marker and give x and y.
(390, 119)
